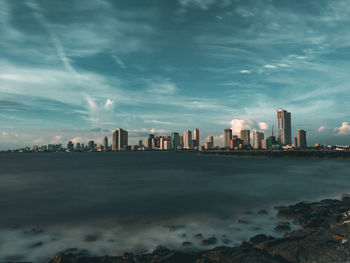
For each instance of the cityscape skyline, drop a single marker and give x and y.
(163, 66)
(256, 140)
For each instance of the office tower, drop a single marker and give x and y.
(181, 141)
(70, 146)
(257, 139)
(236, 143)
(295, 142)
(122, 139)
(140, 143)
(91, 145)
(245, 137)
(78, 148)
(196, 138)
(115, 140)
(149, 142)
(175, 140)
(302, 139)
(227, 138)
(105, 143)
(211, 140)
(284, 135)
(165, 143)
(188, 139)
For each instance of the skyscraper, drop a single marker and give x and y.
(70, 146)
(257, 139)
(245, 137)
(227, 138)
(284, 121)
(115, 140)
(105, 143)
(91, 145)
(175, 140)
(302, 139)
(196, 138)
(188, 139)
(122, 139)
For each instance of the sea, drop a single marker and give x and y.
(108, 203)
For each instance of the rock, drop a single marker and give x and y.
(175, 228)
(226, 241)
(33, 231)
(35, 245)
(209, 241)
(262, 212)
(282, 228)
(91, 238)
(258, 239)
(198, 236)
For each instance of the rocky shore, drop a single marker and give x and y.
(323, 238)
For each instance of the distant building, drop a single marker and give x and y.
(115, 140)
(175, 140)
(77, 147)
(295, 142)
(105, 143)
(140, 143)
(257, 139)
(91, 145)
(245, 137)
(227, 138)
(302, 139)
(284, 135)
(211, 140)
(122, 139)
(188, 140)
(236, 143)
(181, 141)
(196, 141)
(270, 143)
(70, 146)
(165, 143)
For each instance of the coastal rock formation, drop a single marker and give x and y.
(322, 239)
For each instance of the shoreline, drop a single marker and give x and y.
(323, 237)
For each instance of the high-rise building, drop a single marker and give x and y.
(196, 138)
(175, 140)
(245, 137)
(295, 142)
(122, 139)
(211, 140)
(78, 147)
(181, 141)
(284, 135)
(188, 139)
(236, 143)
(115, 140)
(302, 139)
(105, 143)
(140, 143)
(70, 146)
(91, 145)
(227, 138)
(257, 139)
(165, 143)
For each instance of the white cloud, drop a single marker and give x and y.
(109, 105)
(245, 71)
(269, 66)
(263, 125)
(344, 129)
(4, 133)
(202, 4)
(119, 61)
(321, 129)
(238, 125)
(162, 87)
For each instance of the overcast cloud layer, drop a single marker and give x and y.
(79, 69)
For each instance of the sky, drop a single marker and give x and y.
(78, 69)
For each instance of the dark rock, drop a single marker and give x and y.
(198, 236)
(33, 231)
(258, 239)
(226, 241)
(241, 221)
(37, 244)
(262, 212)
(91, 238)
(175, 228)
(282, 228)
(209, 241)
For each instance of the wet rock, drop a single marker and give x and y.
(35, 245)
(91, 238)
(258, 239)
(209, 241)
(198, 236)
(282, 228)
(226, 241)
(262, 212)
(175, 228)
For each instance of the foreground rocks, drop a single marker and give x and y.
(322, 239)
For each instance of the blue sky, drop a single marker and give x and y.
(77, 69)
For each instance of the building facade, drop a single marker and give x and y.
(302, 139)
(188, 140)
(245, 137)
(196, 140)
(284, 122)
(105, 143)
(258, 137)
(227, 138)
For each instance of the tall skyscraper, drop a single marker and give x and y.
(70, 146)
(257, 139)
(181, 141)
(227, 138)
(302, 139)
(105, 143)
(245, 137)
(295, 142)
(122, 139)
(91, 145)
(211, 140)
(175, 140)
(284, 121)
(188, 139)
(115, 140)
(196, 138)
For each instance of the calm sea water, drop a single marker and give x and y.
(110, 203)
